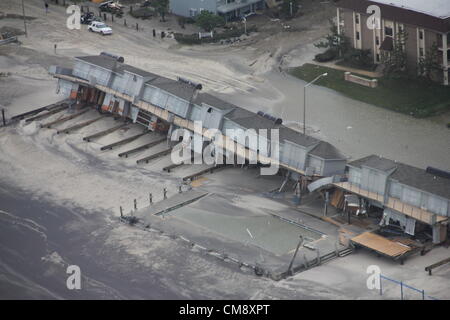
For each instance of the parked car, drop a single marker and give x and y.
(88, 17)
(100, 27)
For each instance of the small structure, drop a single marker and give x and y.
(409, 197)
(371, 83)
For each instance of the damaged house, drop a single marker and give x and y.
(105, 82)
(416, 200)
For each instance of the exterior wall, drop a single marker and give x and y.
(332, 167)
(165, 100)
(184, 7)
(117, 82)
(211, 117)
(92, 73)
(366, 34)
(419, 198)
(373, 180)
(131, 84)
(294, 155)
(348, 28)
(315, 163)
(411, 45)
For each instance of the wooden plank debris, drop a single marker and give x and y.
(104, 133)
(381, 244)
(435, 265)
(154, 156)
(59, 121)
(143, 147)
(122, 142)
(79, 125)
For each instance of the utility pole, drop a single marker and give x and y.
(290, 6)
(24, 20)
(300, 242)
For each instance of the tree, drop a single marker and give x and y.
(395, 62)
(289, 8)
(428, 65)
(334, 41)
(162, 7)
(208, 21)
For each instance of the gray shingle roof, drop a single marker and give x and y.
(408, 175)
(242, 117)
(326, 150)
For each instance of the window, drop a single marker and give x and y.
(421, 34)
(421, 52)
(357, 18)
(209, 110)
(357, 35)
(388, 31)
(377, 40)
(378, 57)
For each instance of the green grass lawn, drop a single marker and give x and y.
(416, 97)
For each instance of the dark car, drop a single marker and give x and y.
(88, 17)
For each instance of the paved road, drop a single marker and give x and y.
(356, 128)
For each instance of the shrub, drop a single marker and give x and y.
(143, 13)
(328, 55)
(227, 34)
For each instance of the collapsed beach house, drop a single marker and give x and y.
(414, 200)
(159, 103)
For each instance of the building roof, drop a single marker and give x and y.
(429, 14)
(101, 61)
(326, 150)
(407, 175)
(242, 117)
(435, 8)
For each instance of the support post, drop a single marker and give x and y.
(135, 204)
(401, 289)
(165, 193)
(295, 255)
(150, 198)
(24, 20)
(3, 117)
(381, 286)
(121, 212)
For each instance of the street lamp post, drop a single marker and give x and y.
(304, 99)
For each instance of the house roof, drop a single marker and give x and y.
(242, 117)
(429, 14)
(407, 175)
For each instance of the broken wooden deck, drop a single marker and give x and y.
(382, 245)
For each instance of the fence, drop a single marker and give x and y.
(406, 292)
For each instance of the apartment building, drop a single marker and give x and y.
(425, 22)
